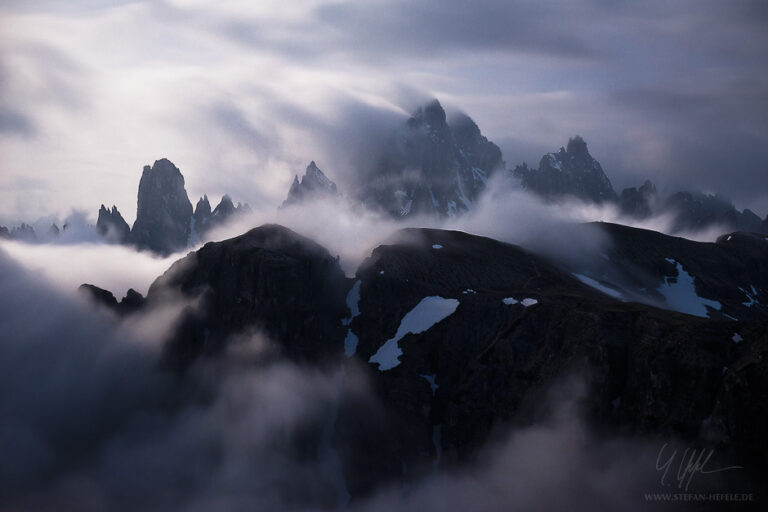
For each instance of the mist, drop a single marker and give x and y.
(95, 424)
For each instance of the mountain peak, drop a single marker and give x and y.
(570, 172)
(431, 114)
(577, 146)
(111, 225)
(314, 183)
(164, 212)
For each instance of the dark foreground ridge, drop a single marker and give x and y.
(497, 325)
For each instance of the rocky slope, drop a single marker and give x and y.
(458, 335)
(727, 279)
(270, 280)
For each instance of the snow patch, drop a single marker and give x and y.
(751, 300)
(598, 286)
(424, 315)
(406, 209)
(451, 211)
(527, 302)
(437, 246)
(680, 294)
(554, 162)
(432, 384)
(737, 337)
(468, 290)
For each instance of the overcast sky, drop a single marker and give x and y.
(242, 94)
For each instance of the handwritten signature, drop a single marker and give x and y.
(691, 462)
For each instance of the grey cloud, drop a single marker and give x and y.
(13, 122)
(241, 130)
(87, 421)
(685, 80)
(713, 140)
(402, 28)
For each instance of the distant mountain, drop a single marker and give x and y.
(132, 302)
(570, 172)
(23, 232)
(694, 211)
(164, 211)
(573, 173)
(165, 221)
(639, 203)
(112, 226)
(313, 184)
(432, 167)
(205, 220)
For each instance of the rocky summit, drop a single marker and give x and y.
(111, 225)
(570, 172)
(165, 221)
(269, 279)
(432, 167)
(313, 185)
(164, 211)
(457, 336)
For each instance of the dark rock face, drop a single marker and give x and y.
(132, 302)
(112, 226)
(431, 167)
(640, 202)
(4, 233)
(517, 321)
(570, 172)
(205, 219)
(202, 214)
(164, 212)
(269, 279)
(649, 371)
(313, 184)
